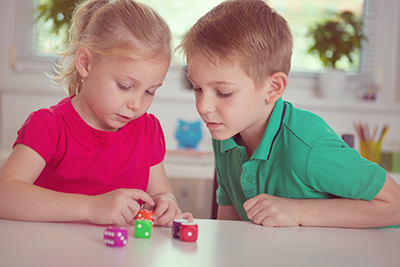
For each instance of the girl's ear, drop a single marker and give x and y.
(278, 82)
(83, 58)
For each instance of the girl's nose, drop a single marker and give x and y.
(135, 103)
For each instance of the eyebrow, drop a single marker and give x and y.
(138, 82)
(215, 82)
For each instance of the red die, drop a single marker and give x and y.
(145, 215)
(189, 232)
(115, 236)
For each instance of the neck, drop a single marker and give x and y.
(251, 137)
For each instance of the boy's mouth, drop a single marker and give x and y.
(213, 125)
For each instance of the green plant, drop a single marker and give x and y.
(57, 11)
(340, 36)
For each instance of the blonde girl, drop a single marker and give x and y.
(97, 155)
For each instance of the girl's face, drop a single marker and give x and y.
(227, 99)
(118, 89)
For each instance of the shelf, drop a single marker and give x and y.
(189, 170)
(348, 106)
(395, 176)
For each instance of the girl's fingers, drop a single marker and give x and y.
(187, 216)
(141, 195)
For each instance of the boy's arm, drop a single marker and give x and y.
(383, 210)
(227, 213)
(20, 199)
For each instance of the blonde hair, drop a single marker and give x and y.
(113, 27)
(245, 31)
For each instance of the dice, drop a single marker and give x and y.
(184, 230)
(115, 236)
(176, 227)
(188, 232)
(143, 228)
(145, 215)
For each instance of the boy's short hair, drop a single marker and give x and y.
(245, 31)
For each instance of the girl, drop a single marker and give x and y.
(97, 155)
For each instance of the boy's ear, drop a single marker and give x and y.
(83, 58)
(277, 84)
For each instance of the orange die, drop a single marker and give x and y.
(145, 215)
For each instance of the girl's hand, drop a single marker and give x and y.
(166, 210)
(269, 210)
(117, 207)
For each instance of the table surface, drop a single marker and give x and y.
(220, 243)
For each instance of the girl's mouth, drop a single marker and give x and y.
(123, 119)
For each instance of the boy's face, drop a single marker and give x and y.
(227, 98)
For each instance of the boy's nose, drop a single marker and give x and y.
(205, 104)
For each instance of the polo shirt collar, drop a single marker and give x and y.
(230, 143)
(273, 128)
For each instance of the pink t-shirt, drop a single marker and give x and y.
(83, 160)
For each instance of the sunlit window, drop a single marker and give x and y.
(182, 14)
(46, 38)
(302, 15)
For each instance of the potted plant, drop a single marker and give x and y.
(341, 36)
(57, 11)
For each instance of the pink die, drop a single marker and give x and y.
(115, 236)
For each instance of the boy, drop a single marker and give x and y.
(276, 165)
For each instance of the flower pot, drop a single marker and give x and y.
(332, 83)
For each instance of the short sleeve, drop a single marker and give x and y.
(157, 140)
(40, 133)
(337, 169)
(222, 194)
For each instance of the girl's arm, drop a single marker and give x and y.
(166, 208)
(383, 210)
(21, 200)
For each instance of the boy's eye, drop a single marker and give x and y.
(195, 90)
(222, 95)
(124, 87)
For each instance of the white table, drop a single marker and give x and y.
(220, 243)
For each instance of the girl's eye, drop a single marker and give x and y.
(123, 87)
(151, 93)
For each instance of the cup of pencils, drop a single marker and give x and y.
(370, 141)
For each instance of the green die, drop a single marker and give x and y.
(143, 228)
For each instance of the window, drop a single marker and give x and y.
(301, 15)
(32, 57)
(46, 39)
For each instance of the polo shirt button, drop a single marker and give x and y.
(249, 178)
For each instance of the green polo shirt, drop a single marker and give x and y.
(299, 157)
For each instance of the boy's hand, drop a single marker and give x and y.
(269, 210)
(117, 207)
(166, 210)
